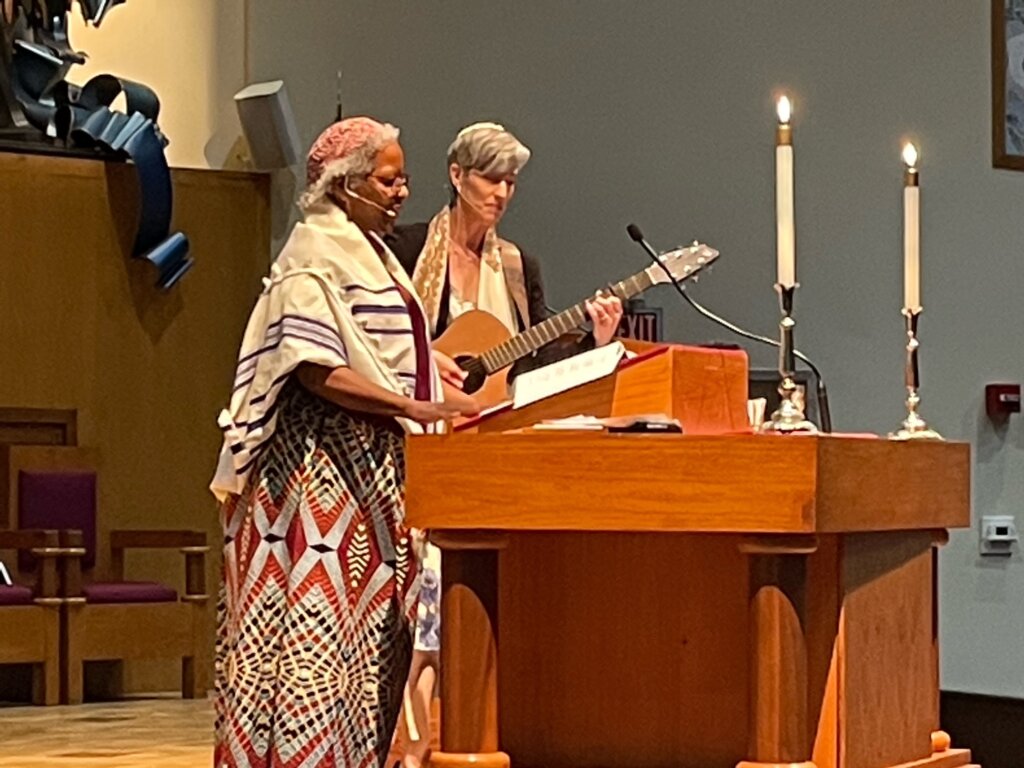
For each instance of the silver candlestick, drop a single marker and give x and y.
(914, 427)
(789, 416)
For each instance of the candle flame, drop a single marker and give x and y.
(910, 155)
(784, 110)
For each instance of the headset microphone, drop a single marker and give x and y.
(355, 195)
(476, 207)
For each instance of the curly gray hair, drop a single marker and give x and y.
(346, 148)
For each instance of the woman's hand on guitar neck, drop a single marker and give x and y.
(606, 313)
(450, 371)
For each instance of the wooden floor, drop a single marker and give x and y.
(151, 733)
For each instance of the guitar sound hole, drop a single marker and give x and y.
(475, 373)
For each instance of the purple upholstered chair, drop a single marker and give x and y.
(30, 611)
(106, 617)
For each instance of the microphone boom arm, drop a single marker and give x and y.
(823, 406)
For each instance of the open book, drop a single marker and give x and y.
(651, 423)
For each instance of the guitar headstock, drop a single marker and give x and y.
(682, 263)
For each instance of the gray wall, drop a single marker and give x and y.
(661, 112)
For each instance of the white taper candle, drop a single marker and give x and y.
(911, 232)
(785, 233)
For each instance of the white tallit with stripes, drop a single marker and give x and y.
(331, 300)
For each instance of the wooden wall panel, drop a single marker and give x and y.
(38, 426)
(83, 327)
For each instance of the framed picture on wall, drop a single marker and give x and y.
(1008, 84)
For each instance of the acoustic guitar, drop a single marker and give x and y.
(485, 350)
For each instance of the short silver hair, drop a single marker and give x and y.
(488, 149)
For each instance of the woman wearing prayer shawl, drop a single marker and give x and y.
(320, 575)
(458, 263)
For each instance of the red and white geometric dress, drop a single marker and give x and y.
(315, 622)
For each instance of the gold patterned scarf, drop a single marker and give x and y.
(432, 270)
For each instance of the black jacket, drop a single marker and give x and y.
(407, 241)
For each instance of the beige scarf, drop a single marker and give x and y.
(501, 274)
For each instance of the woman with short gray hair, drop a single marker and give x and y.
(488, 149)
(459, 263)
(445, 255)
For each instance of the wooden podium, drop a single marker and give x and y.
(688, 600)
(705, 388)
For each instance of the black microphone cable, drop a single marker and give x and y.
(823, 407)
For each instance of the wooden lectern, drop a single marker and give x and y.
(705, 388)
(688, 601)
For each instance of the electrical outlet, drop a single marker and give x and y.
(998, 535)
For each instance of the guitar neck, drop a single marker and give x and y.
(537, 336)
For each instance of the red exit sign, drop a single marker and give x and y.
(640, 322)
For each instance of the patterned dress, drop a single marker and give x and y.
(315, 622)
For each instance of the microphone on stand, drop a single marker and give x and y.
(826, 414)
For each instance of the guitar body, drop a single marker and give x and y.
(486, 351)
(465, 339)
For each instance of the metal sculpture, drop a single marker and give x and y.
(40, 111)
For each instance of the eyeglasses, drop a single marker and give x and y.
(394, 183)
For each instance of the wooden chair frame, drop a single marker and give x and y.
(30, 634)
(122, 631)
